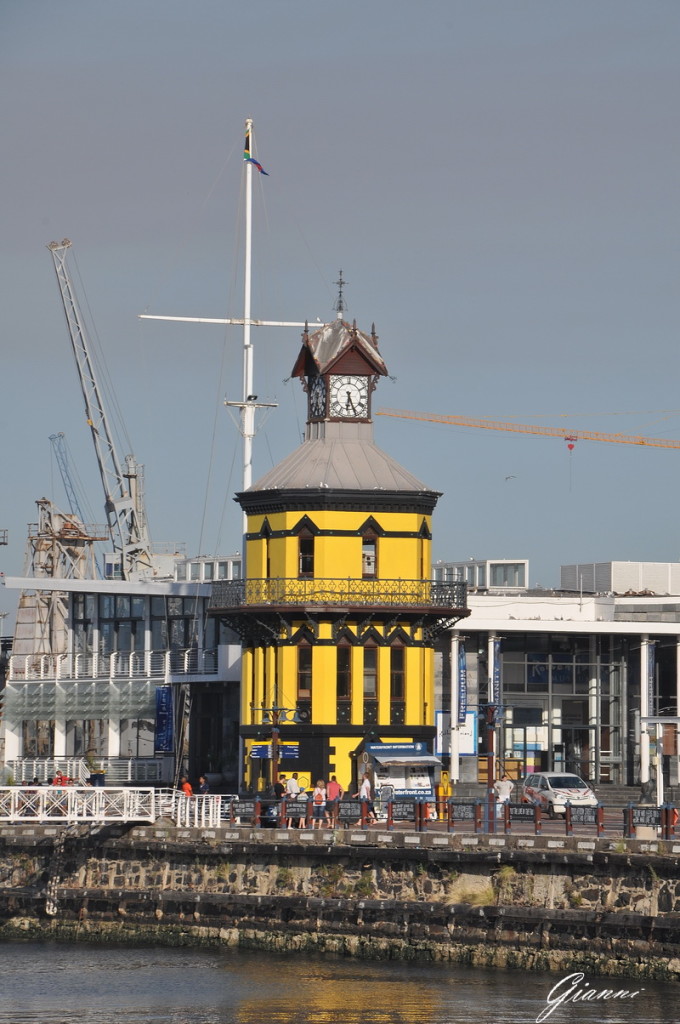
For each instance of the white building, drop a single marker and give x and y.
(574, 674)
(139, 680)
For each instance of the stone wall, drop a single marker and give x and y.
(599, 906)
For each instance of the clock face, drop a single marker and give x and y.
(349, 397)
(317, 397)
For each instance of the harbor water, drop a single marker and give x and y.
(47, 983)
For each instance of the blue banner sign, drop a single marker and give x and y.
(164, 731)
(462, 685)
(496, 672)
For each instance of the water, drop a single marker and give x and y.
(46, 983)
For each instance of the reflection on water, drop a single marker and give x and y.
(59, 984)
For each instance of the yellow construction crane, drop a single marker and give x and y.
(570, 436)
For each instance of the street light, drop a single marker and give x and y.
(277, 716)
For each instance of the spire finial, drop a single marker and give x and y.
(340, 304)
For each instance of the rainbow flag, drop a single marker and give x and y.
(250, 159)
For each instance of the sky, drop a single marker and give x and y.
(497, 179)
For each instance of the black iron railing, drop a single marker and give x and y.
(373, 592)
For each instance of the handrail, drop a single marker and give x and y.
(119, 665)
(418, 593)
(74, 804)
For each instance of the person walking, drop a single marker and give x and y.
(292, 791)
(319, 804)
(364, 795)
(334, 794)
(503, 789)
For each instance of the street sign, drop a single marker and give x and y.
(261, 750)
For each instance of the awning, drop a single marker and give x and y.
(414, 759)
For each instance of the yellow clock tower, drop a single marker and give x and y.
(337, 613)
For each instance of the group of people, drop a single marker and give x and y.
(188, 790)
(326, 797)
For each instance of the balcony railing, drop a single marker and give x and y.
(406, 594)
(121, 665)
(118, 770)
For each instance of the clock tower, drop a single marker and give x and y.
(338, 614)
(339, 366)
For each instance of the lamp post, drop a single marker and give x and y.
(276, 716)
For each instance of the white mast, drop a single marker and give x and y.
(248, 403)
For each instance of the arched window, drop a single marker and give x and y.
(305, 553)
(304, 672)
(369, 555)
(343, 683)
(397, 685)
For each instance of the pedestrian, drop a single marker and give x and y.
(302, 813)
(334, 794)
(319, 803)
(185, 786)
(280, 787)
(203, 787)
(292, 790)
(364, 795)
(503, 789)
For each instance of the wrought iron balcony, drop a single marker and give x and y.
(407, 595)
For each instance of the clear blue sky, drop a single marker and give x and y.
(498, 180)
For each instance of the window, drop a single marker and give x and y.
(87, 737)
(369, 556)
(136, 737)
(304, 673)
(236, 570)
(370, 673)
(121, 624)
(305, 554)
(195, 569)
(208, 570)
(397, 688)
(38, 739)
(344, 673)
(508, 574)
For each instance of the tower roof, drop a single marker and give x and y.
(340, 464)
(325, 348)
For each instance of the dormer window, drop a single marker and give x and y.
(305, 554)
(369, 556)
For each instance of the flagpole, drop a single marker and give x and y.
(248, 410)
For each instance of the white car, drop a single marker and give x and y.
(552, 790)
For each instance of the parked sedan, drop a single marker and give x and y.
(552, 790)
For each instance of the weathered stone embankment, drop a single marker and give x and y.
(600, 906)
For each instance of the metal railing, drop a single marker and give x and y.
(338, 591)
(197, 811)
(73, 804)
(120, 665)
(116, 770)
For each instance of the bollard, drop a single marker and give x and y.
(600, 820)
(628, 826)
(568, 827)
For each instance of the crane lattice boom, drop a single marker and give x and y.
(528, 428)
(123, 499)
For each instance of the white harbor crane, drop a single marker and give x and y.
(123, 491)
